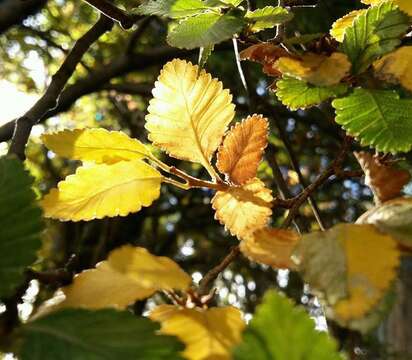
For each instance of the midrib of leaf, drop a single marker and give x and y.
(76, 201)
(70, 339)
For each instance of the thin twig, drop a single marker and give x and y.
(213, 273)
(50, 98)
(111, 11)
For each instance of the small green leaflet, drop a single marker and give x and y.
(204, 30)
(373, 34)
(297, 94)
(174, 9)
(267, 17)
(20, 223)
(379, 118)
(96, 335)
(280, 330)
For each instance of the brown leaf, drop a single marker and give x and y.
(385, 181)
(241, 152)
(272, 247)
(266, 54)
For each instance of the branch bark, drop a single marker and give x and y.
(51, 97)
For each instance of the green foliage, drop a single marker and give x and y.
(279, 330)
(379, 118)
(174, 9)
(92, 335)
(373, 34)
(267, 17)
(204, 30)
(20, 224)
(297, 94)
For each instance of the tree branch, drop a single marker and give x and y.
(50, 98)
(212, 274)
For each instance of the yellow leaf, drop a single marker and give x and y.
(339, 26)
(208, 334)
(396, 67)
(98, 145)
(103, 190)
(316, 69)
(189, 113)
(129, 274)
(351, 265)
(404, 5)
(272, 247)
(243, 209)
(241, 152)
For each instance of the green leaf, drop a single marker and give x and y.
(93, 335)
(267, 17)
(297, 94)
(378, 118)
(20, 224)
(174, 9)
(279, 330)
(373, 34)
(204, 30)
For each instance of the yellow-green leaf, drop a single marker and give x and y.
(129, 274)
(94, 192)
(98, 145)
(339, 26)
(189, 113)
(404, 5)
(208, 334)
(351, 266)
(243, 209)
(396, 67)
(316, 69)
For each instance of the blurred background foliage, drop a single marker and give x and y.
(180, 224)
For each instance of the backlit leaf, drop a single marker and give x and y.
(189, 113)
(103, 190)
(241, 152)
(208, 334)
(385, 181)
(394, 217)
(377, 118)
(395, 67)
(280, 330)
(96, 335)
(98, 145)
(339, 26)
(270, 246)
(20, 224)
(316, 69)
(129, 274)
(174, 9)
(404, 5)
(352, 266)
(374, 33)
(297, 94)
(204, 30)
(267, 17)
(243, 209)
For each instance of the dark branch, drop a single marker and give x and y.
(51, 97)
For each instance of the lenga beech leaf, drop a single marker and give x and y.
(208, 334)
(269, 246)
(319, 70)
(385, 181)
(395, 67)
(94, 192)
(189, 113)
(339, 26)
(404, 5)
(351, 266)
(241, 152)
(129, 274)
(98, 145)
(243, 209)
